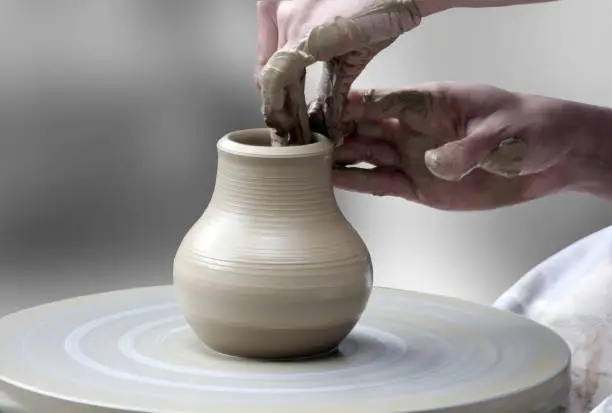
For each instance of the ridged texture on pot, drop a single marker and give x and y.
(272, 269)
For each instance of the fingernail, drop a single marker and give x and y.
(436, 165)
(432, 159)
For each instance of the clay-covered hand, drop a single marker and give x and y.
(456, 146)
(345, 34)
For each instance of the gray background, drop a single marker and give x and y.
(109, 113)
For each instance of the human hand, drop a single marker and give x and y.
(456, 146)
(345, 34)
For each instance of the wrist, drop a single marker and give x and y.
(589, 161)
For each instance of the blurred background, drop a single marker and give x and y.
(110, 110)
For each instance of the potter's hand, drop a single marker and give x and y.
(346, 34)
(459, 146)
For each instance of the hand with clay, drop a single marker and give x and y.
(345, 35)
(472, 147)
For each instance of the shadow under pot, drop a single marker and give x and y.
(272, 269)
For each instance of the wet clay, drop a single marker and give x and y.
(325, 112)
(294, 128)
(272, 269)
(407, 153)
(287, 121)
(346, 45)
(397, 103)
(507, 159)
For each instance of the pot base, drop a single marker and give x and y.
(318, 356)
(268, 344)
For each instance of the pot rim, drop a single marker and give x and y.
(255, 143)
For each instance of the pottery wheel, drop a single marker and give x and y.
(132, 351)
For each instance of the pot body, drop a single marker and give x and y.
(272, 269)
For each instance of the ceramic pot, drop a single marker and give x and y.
(272, 269)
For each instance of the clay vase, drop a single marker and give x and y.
(272, 269)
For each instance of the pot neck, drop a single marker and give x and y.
(275, 181)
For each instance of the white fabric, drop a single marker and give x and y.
(571, 293)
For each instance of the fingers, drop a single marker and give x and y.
(267, 33)
(388, 103)
(385, 129)
(337, 78)
(372, 142)
(378, 181)
(359, 149)
(284, 68)
(337, 41)
(299, 133)
(491, 146)
(386, 19)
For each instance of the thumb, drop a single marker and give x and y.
(499, 153)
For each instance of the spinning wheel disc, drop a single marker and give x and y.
(132, 351)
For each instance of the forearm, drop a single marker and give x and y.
(590, 160)
(429, 7)
(494, 3)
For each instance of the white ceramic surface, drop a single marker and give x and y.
(131, 350)
(9, 406)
